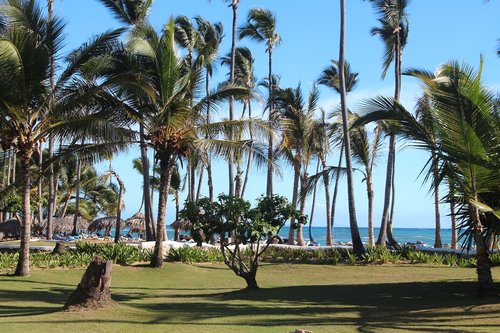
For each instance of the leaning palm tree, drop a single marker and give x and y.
(330, 78)
(466, 123)
(261, 27)
(393, 31)
(357, 245)
(24, 77)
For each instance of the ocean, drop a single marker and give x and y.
(343, 235)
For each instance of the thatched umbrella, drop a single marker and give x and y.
(10, 228)
(136, 223)
(178, 225)
(65, 224)
(103, 223)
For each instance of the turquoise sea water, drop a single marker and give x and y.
(343, 235)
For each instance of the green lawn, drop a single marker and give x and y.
(208, 298)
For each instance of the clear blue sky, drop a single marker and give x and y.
(440, 31)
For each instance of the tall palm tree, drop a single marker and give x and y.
(357, 245)
(23, 108)
(330, 78)
(261, 27)
(393, 31)
(244, 76)
(466, 124)
(365, 153)
(174, 121)
(211, 36)
(299, 142)
(234, 7)
(134, 13)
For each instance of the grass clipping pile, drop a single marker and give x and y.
(93, 290)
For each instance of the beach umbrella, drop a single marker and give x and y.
(10, 228)
(136, 223)
(103, 223)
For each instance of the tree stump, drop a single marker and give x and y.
(59, 248)
(93, 290)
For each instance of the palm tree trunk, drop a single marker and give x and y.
(52, 179)
(300, 234)
(453, 224)
(200, 182)
(77, 194)
(119, 208)
(146, 189)
(369, 190)
(387, 194)
(435, 176)
(296, 177)
(485, 285)
(390, 236)
(66, 204)
(234, 6)
(313, 204)
(210, 181)
(326, 183)
(23, 263)
(269, 187)
(357, 245)
(166, 166)
(329, 241)
(250, 154)
(40, 184)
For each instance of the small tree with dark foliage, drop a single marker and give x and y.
(245, 233)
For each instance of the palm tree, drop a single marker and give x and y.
(466, 124)
(23, 107)
(394, 33)
(365, 153)
(211, 36)
(357, 245)
(261, 27)
(330, 78)
(299, 142)
(174, 120)
(134, 13)
(244, 76)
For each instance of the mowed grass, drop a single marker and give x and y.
(209, 298)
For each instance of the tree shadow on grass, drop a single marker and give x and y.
(53, 297)
(418, 306)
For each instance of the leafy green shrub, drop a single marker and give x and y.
(495, 259)
(8, 260)
(120, 253)
(195, 255)
(351, 257)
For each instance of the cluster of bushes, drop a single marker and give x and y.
(126, 255)
(120, 253)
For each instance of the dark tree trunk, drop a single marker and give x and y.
(369, 190)
(270, 157)
(313, 206)
(453, 224)
(485, 285)
(119, 208)
(93, 290)
(390, 236)
(210, 181)
(435, 174)
(166, 166)
(300, 233)
(77, 192)
(23, 263)
(52, 190)
(296, 178)
(250, 154)
(326, 182)
(234, 6)
(251, 282)
(59, 248)
(329, 241)
(148, 217)
(357, 244)
(382, 236)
